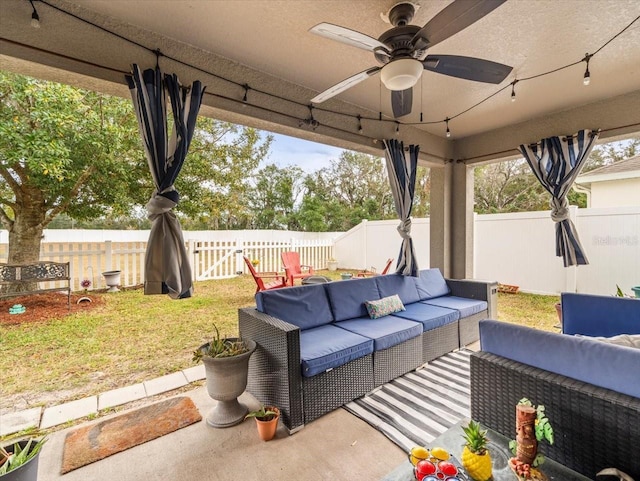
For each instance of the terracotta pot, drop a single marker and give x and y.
(267, 429)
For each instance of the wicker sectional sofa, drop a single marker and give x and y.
(590, 387)
(318, 348)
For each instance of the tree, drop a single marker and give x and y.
(508, 186)
(276, 197)
(63, 150)
(215, 183)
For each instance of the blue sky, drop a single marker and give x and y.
(310, 156)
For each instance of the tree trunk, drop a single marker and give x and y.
(25, 234)
(527, 445)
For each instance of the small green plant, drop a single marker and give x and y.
(221, 347)
(17, 456)
(263, 414)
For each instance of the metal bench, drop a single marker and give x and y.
(24, 275)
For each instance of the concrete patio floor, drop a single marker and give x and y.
(337, 447)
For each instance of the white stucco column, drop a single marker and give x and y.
(451, 220)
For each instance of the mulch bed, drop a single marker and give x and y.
(44, 307)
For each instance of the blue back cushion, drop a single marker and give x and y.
(302, 306)
(599, 315)
(347, 297)
(431, 284)
(404, 286)
(594, 362)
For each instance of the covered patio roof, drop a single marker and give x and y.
(262, 51)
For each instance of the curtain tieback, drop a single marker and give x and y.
(559, 210)
(404, 229)
(159, 205)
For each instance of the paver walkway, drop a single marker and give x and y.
(72, 410)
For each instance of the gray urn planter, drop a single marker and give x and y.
(226, 380)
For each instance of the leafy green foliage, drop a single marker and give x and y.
(221, 347)
(17, 456)
(475, 437)
(263, 414)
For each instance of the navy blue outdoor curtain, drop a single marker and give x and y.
(402, 178)
(556, 162)
(167, 268)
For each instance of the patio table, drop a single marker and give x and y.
(452, 441)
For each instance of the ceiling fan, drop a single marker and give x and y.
(401, 51)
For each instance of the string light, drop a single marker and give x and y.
(587, 75)
(309, 121)
(397, 129)
(246, 91)
(513, 90)
(35, 18)
(360, 129)
(35, 22)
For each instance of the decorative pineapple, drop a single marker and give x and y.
(475, 456)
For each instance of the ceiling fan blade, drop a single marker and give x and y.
(348, 36)
(401, 102)
(345, 84)
(452, 19)
(469, 68)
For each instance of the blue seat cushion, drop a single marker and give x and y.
(467, 307)
(347, 297)
(431, 284)
(386, 331)
(302, 306)
(328, 347)
(430, 316)
(404, 286)
(591, 361)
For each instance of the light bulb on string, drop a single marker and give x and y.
(587, 75)
(35, 18)
(448, 131)
(513, 90)
(360, 129)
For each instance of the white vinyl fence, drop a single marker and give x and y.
(516, 249)
(519, 249)
(213, 254)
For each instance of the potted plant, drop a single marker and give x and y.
(19, 461)
(226, 363)
(332, 264)
(266, 420)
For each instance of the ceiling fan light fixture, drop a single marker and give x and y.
(401, 74)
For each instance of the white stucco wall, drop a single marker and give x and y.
(615, 193)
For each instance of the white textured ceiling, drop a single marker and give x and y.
(533, 36)
(267, 40)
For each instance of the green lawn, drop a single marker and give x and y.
(132, 337)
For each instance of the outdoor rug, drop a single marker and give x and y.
(97, 441)
(416, 408)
